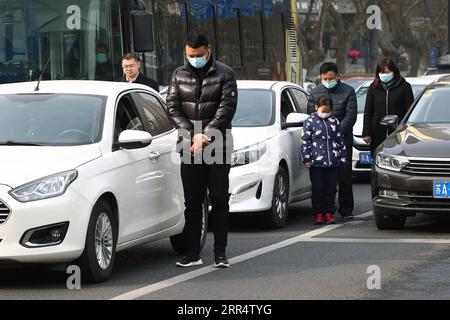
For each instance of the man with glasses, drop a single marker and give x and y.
(131, 64)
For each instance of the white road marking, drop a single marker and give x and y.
(135, 294)
(359, 240)
(307, 237)
(365, 215)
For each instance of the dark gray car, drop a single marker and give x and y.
(411, 173)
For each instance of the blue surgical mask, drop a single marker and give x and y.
(331, 84)
(198, 63)
(386, 77)
(101, 58)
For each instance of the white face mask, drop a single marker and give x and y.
(386, 77)
(323, 115)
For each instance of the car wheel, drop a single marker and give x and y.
(388, 222)
(179, 241)
(99, 253)
(277, 215)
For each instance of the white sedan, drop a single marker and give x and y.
(87, 168)
(267, 172)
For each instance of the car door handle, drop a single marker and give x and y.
(154, 156)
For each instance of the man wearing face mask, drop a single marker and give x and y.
(389, 94)
(345, 110)
(103, 67)
(204, 92)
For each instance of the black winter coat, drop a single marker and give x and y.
(379, 103)
(142, 79)
(344, 106)
(216, 105)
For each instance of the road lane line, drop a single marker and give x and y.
(359, 240)
(135, 294)
(365, 215)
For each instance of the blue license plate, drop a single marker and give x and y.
(365, 158)
(441, 189)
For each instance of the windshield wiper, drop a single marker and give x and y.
(17, 143)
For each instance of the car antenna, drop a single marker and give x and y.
(43, 70)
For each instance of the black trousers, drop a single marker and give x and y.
(346, 201)
(324, 183)
(197, 179)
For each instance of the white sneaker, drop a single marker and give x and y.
(187, 261)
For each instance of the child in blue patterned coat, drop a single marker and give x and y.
(323, 152)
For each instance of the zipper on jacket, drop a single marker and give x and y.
(328, 149)
(387, 109)
(197, 98)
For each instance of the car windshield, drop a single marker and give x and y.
(51, 119)
(255, 108)
(361, 95)
(355, 83)
(432, 107)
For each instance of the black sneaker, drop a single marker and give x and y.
(221, 262)
(189, 261)
(347, 217)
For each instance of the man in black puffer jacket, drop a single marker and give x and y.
(202, 101)
(345, 110)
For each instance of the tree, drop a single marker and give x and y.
(311, 40)
(414, 27)
(330, 20)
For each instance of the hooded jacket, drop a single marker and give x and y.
(344, 106)
(323, 143)
(380, 102)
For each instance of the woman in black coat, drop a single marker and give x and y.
(389, 94)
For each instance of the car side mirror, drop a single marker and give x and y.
(294, 120)
(390, 121)
(133, 139)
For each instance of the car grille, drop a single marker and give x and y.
(426, 200)
(428, 168)
(4, 212)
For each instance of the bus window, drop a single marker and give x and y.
(252, 35)
(169, 15)
(201, 18)
(228, 36)
(273, 35)
(76, 33)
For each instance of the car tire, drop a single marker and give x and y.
(178, 241)
(388, 222)
(278, 213)
(101, 236)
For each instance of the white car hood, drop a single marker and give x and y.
(247, 136)
(22, 164)
(358, 127)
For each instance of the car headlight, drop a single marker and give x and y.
(393, 163)
(248, 155)
(48, 187)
